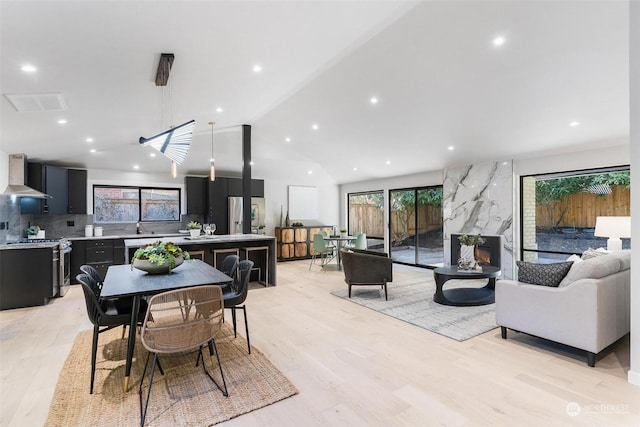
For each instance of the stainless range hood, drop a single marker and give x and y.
(16, 185)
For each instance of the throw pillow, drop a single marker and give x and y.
(542, 274)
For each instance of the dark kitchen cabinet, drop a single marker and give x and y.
(28, 277)
(67, 188)
(99, 254)
(77, 191)
(77, 258)
(196, 194)
(218, 194)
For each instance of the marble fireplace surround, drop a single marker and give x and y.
(479, 199)
(488, 253)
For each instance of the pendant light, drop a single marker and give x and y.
(174, 169)
(212, 167)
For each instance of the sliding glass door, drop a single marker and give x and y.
(366, 215)
(415, 226)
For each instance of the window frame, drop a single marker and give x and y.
(140, 189)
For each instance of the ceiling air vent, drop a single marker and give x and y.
(28, 103)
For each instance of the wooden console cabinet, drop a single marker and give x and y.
(297, 242)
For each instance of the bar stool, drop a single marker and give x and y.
(196, 255)
(256, 266)
(226, 252)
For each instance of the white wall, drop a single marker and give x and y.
(4, 170)
(634, 72)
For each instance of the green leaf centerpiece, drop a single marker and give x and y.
(158, 257)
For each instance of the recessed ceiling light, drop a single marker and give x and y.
(251, 163)
(62, 121)
(499, 41)
(28, 68)
(93, 150)
(373, 100)
(152, 154)
(388, 162)
(574, 124)
(257, 68)
(89, 139)
(451, 148)
(136, 167)
(287, 139)
(314, 126)
(355, 169)
(219, 110)
(310, 172)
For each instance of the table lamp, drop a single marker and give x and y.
(613, 227)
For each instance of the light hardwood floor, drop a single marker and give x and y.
(353, 366)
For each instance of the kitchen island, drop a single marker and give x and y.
(211, 249)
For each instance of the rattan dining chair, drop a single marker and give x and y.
(236, 294)
(181, 321)
(104, 316)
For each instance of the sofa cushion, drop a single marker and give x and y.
(592, 268)
(542, 274)
(592, 253)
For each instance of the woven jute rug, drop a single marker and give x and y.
(412, 301)
(184, 396)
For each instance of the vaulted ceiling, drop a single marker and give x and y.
(438, 78)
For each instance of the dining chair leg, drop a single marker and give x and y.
(124, 331)
(246, 327)
(143, 413)
(223, 389)
(233, 317)
(94, 350)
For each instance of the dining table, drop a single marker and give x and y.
(340, 241)
(126, 281)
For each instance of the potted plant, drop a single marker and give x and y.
(32, 232)
(343, 232)
(158, 257)
(194, 228)
(468, 243)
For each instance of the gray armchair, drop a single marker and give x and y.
(366, 268)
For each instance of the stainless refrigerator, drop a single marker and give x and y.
(257, 215)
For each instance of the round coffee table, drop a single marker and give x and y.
(465, 296)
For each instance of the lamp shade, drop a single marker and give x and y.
(613, 226)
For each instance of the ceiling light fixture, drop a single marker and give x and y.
(388, 162)
(28, 68)
(212, 165)
(310, 172)
(355, 169)
(152, 154)
(89, 139)
(499, 41)
(219, 110)
(314, 126)
(62, 121)
(373, 100)
(175, 142)
(451, 148)
(93, 150)
(287, 139)
(257, 68)
(136, 167)
(574, 124)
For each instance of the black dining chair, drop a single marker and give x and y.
(123, 305)
(229, 265)
(236, 294)
(104, 316)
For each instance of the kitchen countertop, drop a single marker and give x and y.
(127, 236)
(5, 246)
(186, 240)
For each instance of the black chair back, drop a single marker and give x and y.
(94, 310)
(240, 286)
(229, 265)
(95, 276)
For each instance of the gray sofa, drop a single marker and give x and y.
(366, 268)
(589, 310)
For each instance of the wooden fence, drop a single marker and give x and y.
(370, 219)
(581, 209)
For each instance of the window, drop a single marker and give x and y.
(366, 215)
(559, 211)
(113, 205)
(415, 226)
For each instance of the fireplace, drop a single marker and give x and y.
(487, 253)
